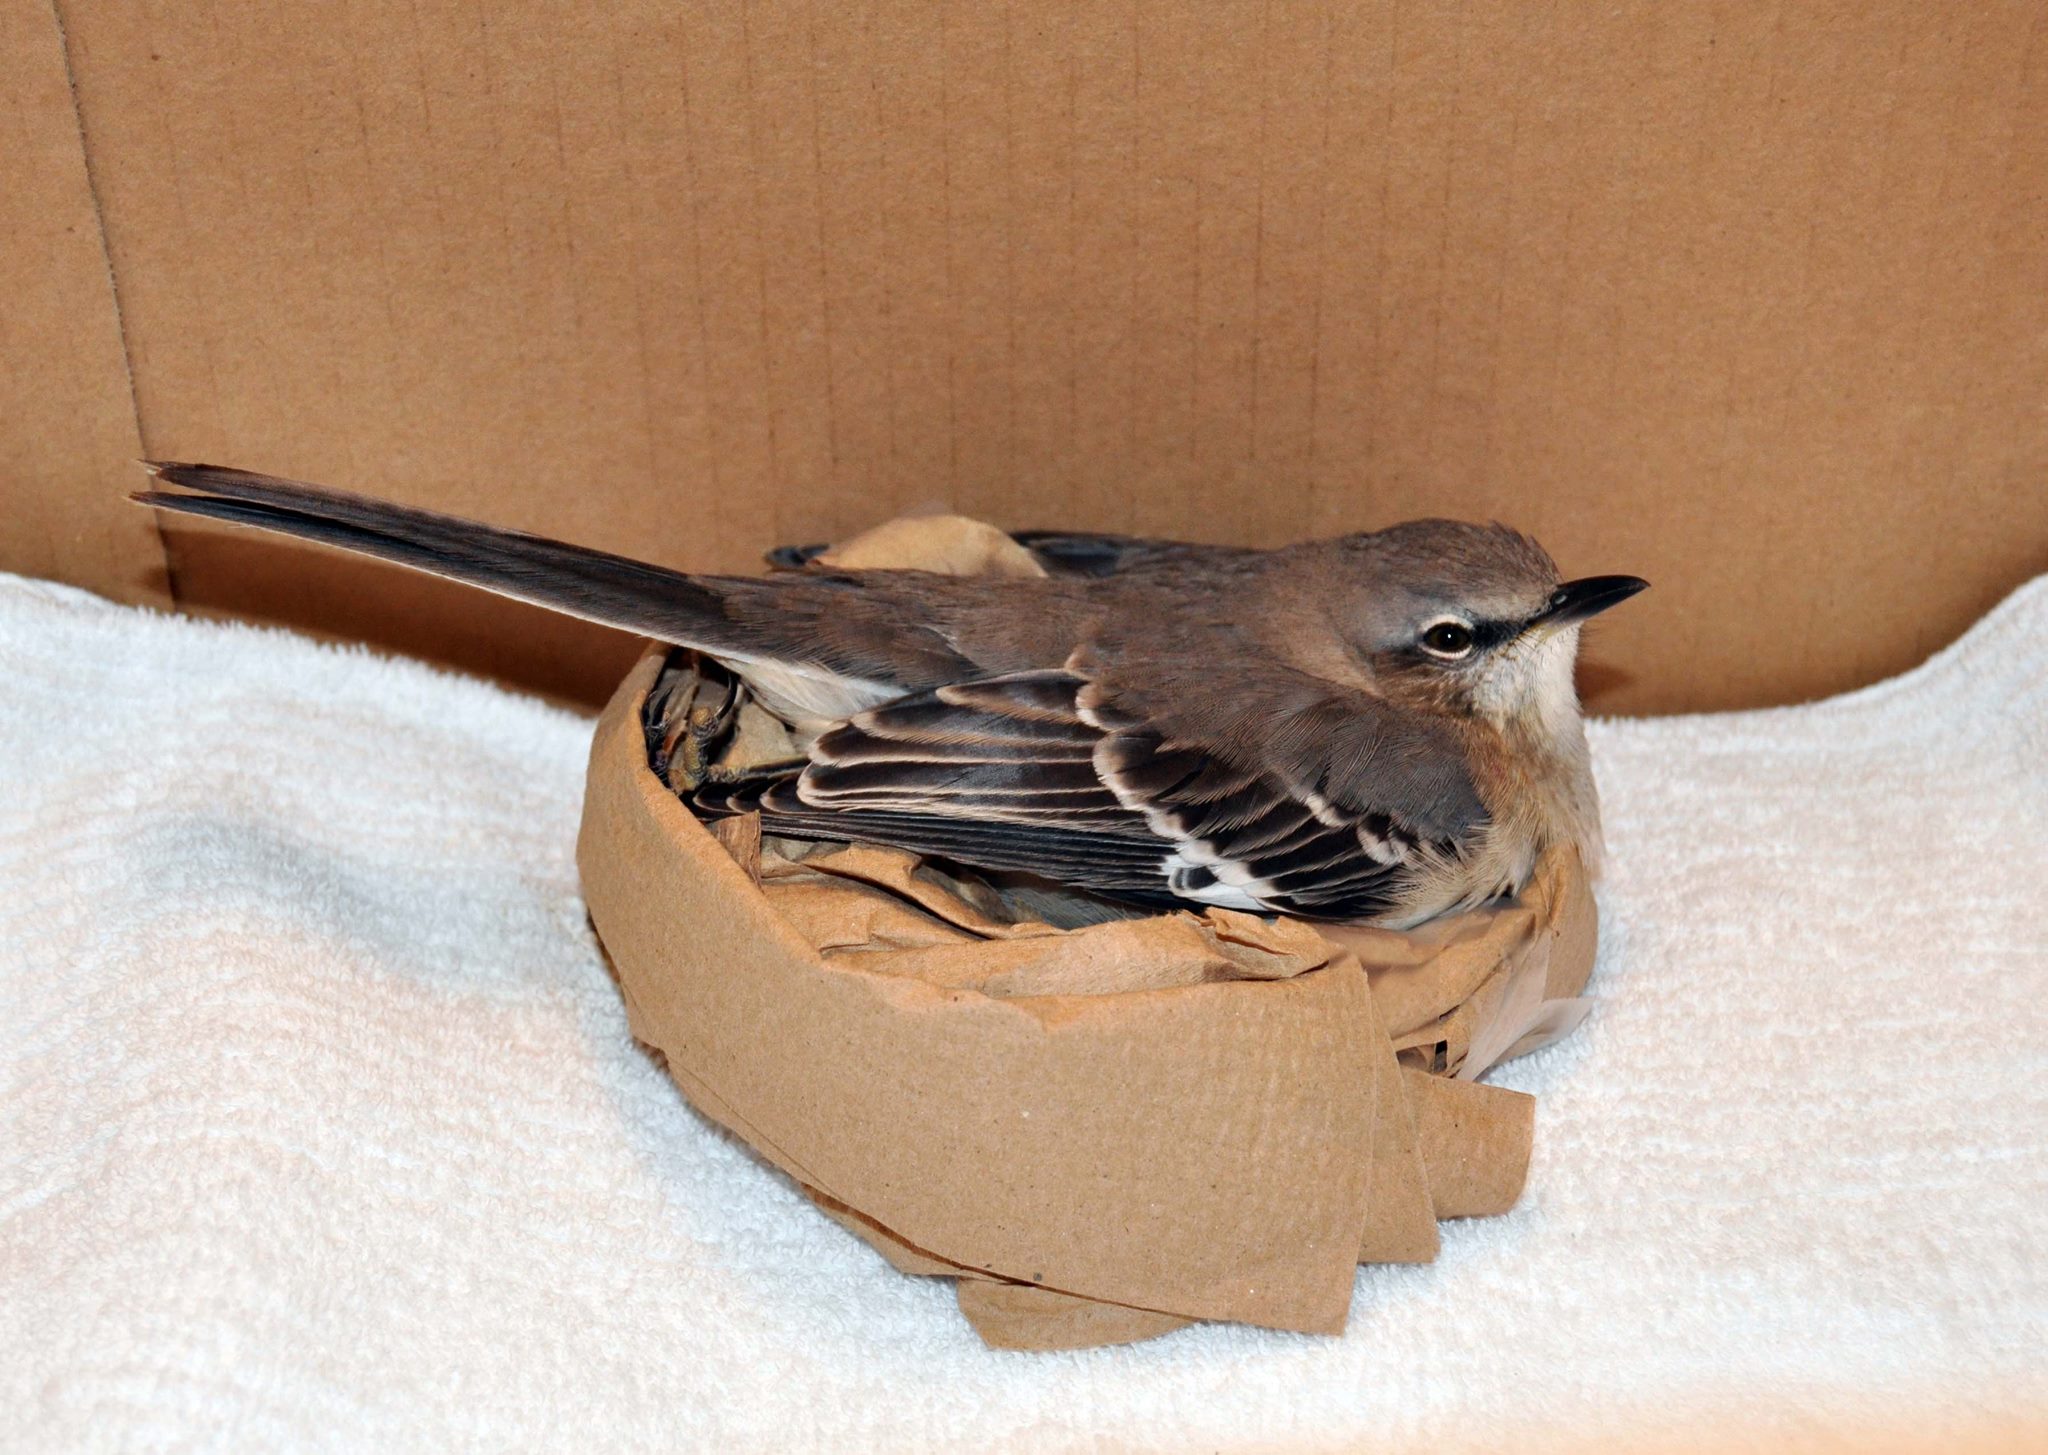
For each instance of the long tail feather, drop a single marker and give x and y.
(595, 585)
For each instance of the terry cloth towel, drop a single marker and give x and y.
(320, 1127)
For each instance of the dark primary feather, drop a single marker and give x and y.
(792, 558)
(1087, 554)
(1098, 554)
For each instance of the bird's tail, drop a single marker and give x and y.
(595, 585)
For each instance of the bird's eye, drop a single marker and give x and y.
(1447, 638)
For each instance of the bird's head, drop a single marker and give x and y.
(1473, 620)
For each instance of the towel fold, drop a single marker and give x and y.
(320, 1127)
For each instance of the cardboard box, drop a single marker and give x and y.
(1749, 301)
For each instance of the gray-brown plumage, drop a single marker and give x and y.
(1380, 727)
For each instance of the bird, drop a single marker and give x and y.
(1376, 728)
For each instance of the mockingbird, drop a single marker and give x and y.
(1380, 727)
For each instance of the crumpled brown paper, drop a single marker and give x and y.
(1103, 1132)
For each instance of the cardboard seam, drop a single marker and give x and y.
(771, 394)
(99, 222)
(1311, 427)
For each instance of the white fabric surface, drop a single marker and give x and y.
(320, 1127)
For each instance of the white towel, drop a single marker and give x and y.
(322, 1128)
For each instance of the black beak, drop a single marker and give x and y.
(1578, 600)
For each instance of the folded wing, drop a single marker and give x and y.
(1055, 774)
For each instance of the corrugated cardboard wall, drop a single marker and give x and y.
(67, 424)
(1751, 300)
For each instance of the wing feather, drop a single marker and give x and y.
(1070, 776)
